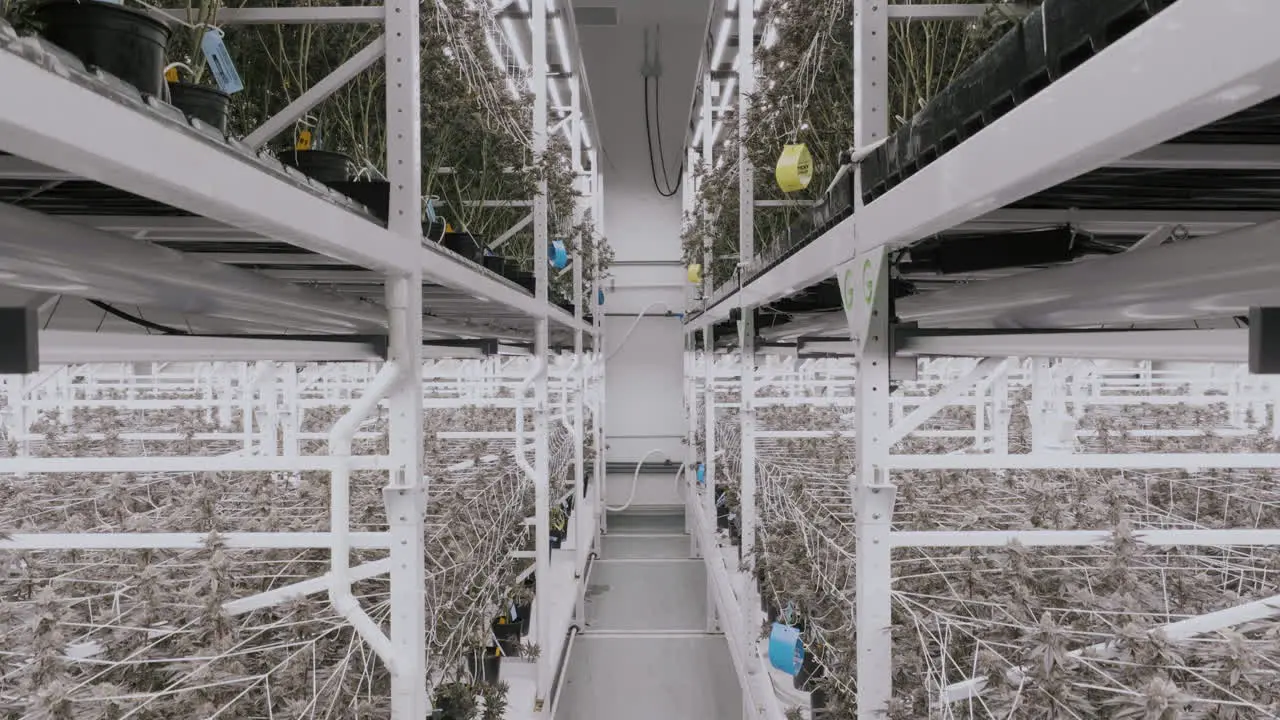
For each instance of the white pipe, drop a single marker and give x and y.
(635, 481)
(522, 461)
(564, 400)
(340, 439)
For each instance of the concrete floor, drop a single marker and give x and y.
(645, 653)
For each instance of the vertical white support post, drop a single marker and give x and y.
(290, 419)
(980, 416)
(597, 346)
(246, 408)
(690, 439)
(747, 327)
(873, 497)
(405, 495)
(708, 160)
(20, 419)
(709, 431)
(542, 460)
(1000, 412)
(578, 382)
(873, 494)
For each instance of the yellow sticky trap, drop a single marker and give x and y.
(304, 141)
(695, 273)
(171, 75)
(795, 168)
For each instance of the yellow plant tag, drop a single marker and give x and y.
(171, 75)
(304, 140)
(695, 273)
(795, 168)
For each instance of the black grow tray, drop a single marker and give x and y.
(1053, 40)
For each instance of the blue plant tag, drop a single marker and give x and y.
(558, 255)
(431, 210)
(224, 71)
(702, 474)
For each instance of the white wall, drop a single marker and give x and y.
(645, 378)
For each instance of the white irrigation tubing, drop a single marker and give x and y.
(636, 323)
(635, 481)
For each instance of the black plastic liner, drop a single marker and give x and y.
(1050, 42)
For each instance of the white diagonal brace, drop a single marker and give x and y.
(318, 93)
(984, 370)
(1181, 630)
(298, 590)
(511, 232)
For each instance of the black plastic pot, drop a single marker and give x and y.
(508, 635)
(207, 104)
(494, 263)
(373, 194)
(321, 165)
(127, 43)
(524, 613)
(817, 702)
(524, 279)
(484, 665)
(810, 673)
(556, 541)
(463, 244)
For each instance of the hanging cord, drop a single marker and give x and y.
(136, 320)
(651, 68)
(649, 127)
(635, 480)
(634, 325)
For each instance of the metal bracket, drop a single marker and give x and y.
(878, 501)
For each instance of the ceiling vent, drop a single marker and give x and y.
(596, 16)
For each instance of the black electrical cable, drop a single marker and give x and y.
(653, 168)
(142, 322)
(657, 120)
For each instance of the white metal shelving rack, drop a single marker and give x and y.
(137, 147)
(1165, 78)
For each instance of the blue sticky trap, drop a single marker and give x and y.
(558, 255)
(786, 649)
(702, 474)
(224, 71)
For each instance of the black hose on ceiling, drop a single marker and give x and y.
(137, 320)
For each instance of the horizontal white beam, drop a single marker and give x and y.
(290, 16)
(1062, 538)
(1225, 346)
(188, 464)
(65, 347)
(188, 541)
(232, 189)
(1193, 63)
(1100, 461)
(953, 11)
(1213, 277)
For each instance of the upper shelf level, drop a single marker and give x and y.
(1194, 63)
(59, 115)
